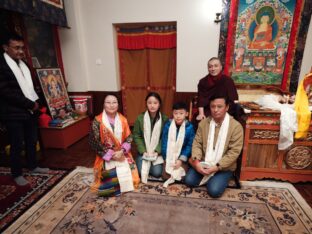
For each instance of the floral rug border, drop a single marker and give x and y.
(303, 210)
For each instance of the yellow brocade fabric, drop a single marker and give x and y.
(303, 112)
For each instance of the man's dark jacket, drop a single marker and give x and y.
(13, 104)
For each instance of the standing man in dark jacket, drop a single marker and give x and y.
(18, 106)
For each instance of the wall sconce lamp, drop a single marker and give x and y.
(218, 18)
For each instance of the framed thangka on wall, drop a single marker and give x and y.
(55, 92)
(263, 41)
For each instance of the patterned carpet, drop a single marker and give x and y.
(15, 200)
(259, 207)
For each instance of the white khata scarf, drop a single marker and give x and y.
(213, 156)
(23, 77)
(117, 125)
(174, 146)
(288, 119)
(151, 139)
(122, 168)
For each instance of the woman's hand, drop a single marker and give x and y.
(119, 156)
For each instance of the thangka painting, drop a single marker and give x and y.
(55, 92)
(262, 38)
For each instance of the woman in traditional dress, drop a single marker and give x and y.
(147, 134)
(114, 168)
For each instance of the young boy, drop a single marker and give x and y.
(177, 139)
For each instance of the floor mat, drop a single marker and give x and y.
(258, 207)
(15, 200)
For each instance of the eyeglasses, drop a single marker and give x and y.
(111, 103)
(18, 47)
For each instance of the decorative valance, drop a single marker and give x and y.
(50, 11)
(150, 37)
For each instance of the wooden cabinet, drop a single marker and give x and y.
(261, 157)
(63, 137)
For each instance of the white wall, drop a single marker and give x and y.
(91, 38)
(73, 50)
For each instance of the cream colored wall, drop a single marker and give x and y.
(73, 50)
(91, 38)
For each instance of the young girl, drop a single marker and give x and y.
(147, 134)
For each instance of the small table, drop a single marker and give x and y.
(61, 138)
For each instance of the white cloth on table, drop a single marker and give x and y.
(288, 119)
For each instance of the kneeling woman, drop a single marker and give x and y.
(114, 168)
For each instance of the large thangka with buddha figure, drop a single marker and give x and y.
(263, 41)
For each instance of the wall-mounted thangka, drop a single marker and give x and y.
(263, 33)
(262, 41)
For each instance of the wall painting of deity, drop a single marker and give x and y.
(262, 42)
(55, 92)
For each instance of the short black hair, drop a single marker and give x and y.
(220, 96)
(180, 106)
(214, 58)
(10, 36)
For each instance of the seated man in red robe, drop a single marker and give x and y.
(215, 83)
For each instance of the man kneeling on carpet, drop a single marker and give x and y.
(114, 168)
(177, 139)
(216, 147)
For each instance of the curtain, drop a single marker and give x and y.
(147, 58)
(50, 11)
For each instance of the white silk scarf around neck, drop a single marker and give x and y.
(174, 147)
(151, 139)
(214, 154)
(23, 77)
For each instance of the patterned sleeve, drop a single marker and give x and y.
(126, 144)
(129, 137)
(94, 139)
